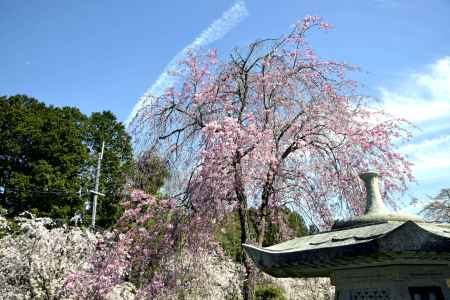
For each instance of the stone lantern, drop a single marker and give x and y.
(379, 255)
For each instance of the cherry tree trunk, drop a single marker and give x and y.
(249, 281)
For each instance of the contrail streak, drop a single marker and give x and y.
(215, 31)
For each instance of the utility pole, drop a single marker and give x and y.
(97, 181)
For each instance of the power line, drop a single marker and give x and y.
(4, 190)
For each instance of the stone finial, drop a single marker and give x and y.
(375, 211)
(374, 204)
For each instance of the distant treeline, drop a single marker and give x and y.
(48, 157)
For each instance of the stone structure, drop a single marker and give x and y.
(379, 255)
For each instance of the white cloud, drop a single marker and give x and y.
(424, 99)
(423, 96)
(220, 27)
(431, 157)
(415, 109)
(215, 31)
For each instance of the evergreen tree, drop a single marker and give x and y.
(117, 163)
(48, 153)
(40, 156)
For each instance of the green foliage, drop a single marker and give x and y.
(3, 211)
(269, 292)
(296, 223)
(117, 163)
(229, 237)
(150, 173)
(229, 232)
(42, 152)
(47, 153)
(288, 219)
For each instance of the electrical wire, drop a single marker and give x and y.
(54, 191)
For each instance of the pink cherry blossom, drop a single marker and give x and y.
(271, 127)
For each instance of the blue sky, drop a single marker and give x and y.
(104, 55)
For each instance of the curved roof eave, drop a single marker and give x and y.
(285, 259)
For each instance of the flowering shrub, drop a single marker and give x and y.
(144, 250)
(35, 259)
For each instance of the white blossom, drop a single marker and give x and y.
(36, 258)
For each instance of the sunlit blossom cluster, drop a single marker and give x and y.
(150, 236)
(36, 258)
(279, 123)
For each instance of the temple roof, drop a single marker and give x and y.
(388, 242)
(376, 238)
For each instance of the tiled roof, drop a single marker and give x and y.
(377, 244)
(336, 238)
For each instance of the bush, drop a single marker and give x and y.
(269, 292)
(35, 257)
